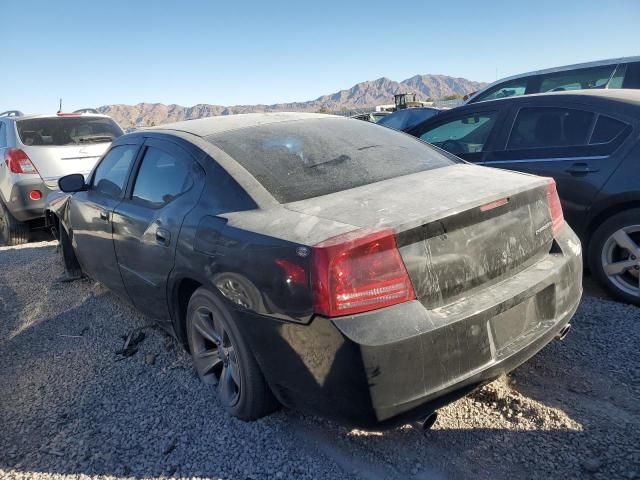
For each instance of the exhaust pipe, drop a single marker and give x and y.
(564, 332)
(425, 423)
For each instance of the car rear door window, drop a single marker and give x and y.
(582, 79)
(162, 177)
(511, 88)
(606, 129)
(111, 174)
(544, 127)
(3, 135)
(467, 134)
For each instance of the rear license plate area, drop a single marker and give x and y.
(515, 325)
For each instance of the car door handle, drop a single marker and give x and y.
(163, 237)
(104, 215)
(578, 169)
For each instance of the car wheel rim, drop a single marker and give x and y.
(215, 357)
(621, 259)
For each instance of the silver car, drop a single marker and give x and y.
(36, 151)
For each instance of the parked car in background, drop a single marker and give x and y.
(289, 252)
(373, 117)
(408, 117)
(612, 73)
(37, 150)
(588, 142)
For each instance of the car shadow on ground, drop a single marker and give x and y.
(70, 404)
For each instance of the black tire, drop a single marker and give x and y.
(213, 336)
(69, 260)
(12, 232)
(605, 256)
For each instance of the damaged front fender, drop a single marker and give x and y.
(56, 209)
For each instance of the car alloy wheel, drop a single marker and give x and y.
(620, 259)
(215, 357)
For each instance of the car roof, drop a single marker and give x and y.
(564, 68)
(626, 96)
(204, 127)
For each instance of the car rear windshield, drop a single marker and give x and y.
(307, 158)
(60, 131)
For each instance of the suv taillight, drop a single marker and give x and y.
(358, 272)
(19, 162)
(557, 217)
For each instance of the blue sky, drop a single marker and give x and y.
(235, 52)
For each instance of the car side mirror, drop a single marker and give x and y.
(72, 183)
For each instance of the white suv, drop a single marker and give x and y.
(35, 151)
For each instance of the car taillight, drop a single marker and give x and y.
(358, 272)
(557, 217)
(18, 161)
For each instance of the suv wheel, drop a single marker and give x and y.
(614, 256)
(12, 232)
(223, 359)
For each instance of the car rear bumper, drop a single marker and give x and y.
(398, 364)
(21, 206)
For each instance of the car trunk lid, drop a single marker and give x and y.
(457, 228)
(53, 162)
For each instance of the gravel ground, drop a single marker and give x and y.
(70, 406)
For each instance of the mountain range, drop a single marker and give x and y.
(362, 96)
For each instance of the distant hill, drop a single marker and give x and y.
(361, 96)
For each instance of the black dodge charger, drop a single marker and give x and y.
(326, 264)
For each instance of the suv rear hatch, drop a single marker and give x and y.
(61, 145)
(458, 228)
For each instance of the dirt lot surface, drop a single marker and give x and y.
(70, 406)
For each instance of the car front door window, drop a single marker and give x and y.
(111, 174)
(464, 135)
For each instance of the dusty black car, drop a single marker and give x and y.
(328, 264)
(588, 142)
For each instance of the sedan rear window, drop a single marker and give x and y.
(60, 131)
(308, 158)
